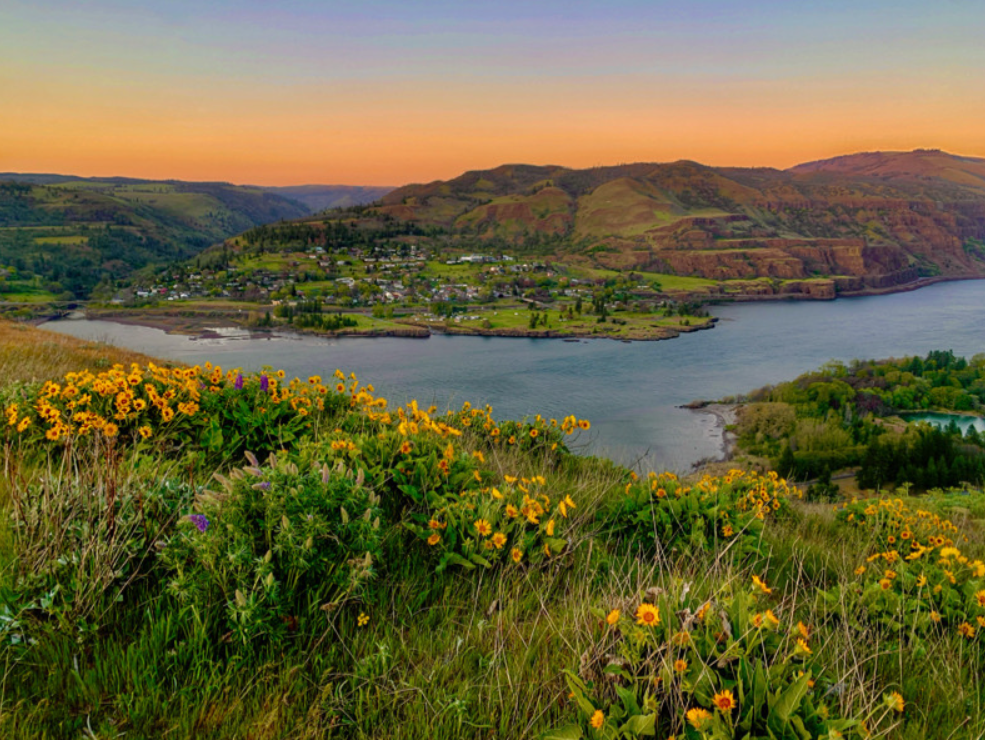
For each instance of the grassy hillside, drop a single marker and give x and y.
(62, 236)
(198, 552)
(866, 221)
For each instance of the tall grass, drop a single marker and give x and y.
(29, 355)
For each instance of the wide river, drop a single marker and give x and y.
(630, 392)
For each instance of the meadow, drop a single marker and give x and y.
(211, 553)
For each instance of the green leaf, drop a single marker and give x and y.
(704, 688)
(788, 701)
(628, 700)
(479, 560)
(556, 544)
(452, 558)
(568, 732)
(640, 725)
(798, 726)
(579, 689)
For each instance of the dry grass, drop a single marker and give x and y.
(30, 354)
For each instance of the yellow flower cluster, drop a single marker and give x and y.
(763, 494)
(671, 646)
(518, 514)
(920, 564)
(148, 398)
(897, 524)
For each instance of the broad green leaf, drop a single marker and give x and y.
(568, 732)
(641, 725)
(788, 701)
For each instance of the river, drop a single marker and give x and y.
(630, 392)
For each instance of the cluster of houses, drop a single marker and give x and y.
(354, 277)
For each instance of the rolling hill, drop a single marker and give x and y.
(62, 235)
(860, 222)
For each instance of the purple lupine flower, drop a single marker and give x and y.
(264, 383)
(239, 381)
(200, 521)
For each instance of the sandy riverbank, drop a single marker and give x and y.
(725, 415)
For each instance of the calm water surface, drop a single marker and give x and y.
(941, 421)
(630, 392)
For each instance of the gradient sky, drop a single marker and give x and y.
(387, 92)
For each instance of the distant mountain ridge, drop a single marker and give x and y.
(323, 197)
(918, 163)
(865, 221)
(314, 198)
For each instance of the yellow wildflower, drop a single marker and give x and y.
(758, 583)
(724, 701)
(697, 717)
(894, 700)
(647, 615)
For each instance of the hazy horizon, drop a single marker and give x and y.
(389, 93)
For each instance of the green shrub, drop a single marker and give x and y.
(720, 667)
(262, 557)
(662, 514)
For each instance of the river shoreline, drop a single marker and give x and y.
(726, 415)
(917, 284)
(631, 393)
(198, 323)
(203, 325)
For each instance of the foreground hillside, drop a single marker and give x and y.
(201, 552)
(62, 236)
(860, 222)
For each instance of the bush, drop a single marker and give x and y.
(662, 514)
(720, 667)
(262, 557)
(166, 409)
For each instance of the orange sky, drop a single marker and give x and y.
(308, 93)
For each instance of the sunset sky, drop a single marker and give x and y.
(387, 92)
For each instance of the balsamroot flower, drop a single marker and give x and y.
(894, 700)
(724, 701)
(697, 717)
(598, 719)
(647, 615)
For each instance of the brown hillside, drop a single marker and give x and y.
(873, 220)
